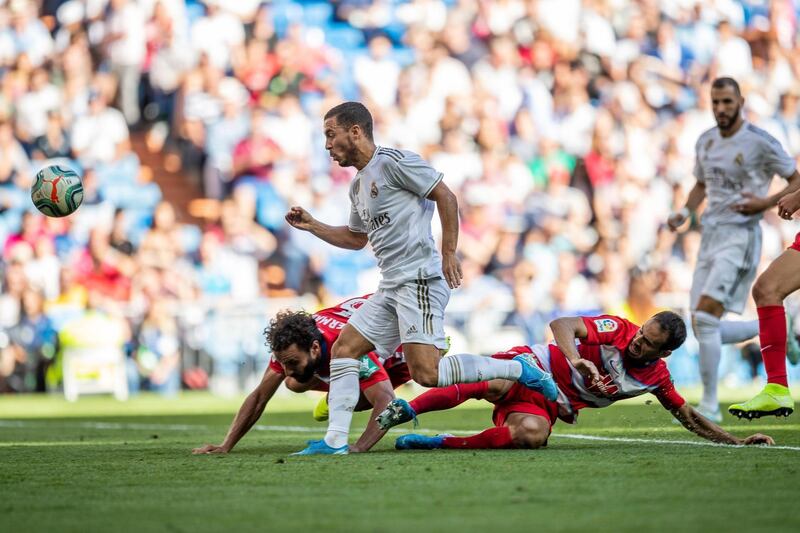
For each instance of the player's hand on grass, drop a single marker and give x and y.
(451, 267)
(752, 204)
(299, 218)
(759, 439)
(209, 449)
(677, 219)
(788, 205)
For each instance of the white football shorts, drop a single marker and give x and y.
(411, 312)
(726, 265)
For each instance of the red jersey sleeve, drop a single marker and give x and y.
(609, 330)
(275, 366)
(668, 396)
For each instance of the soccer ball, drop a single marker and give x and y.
(57, 191)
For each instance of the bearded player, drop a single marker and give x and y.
(613, 360)
(300, 345)
(735, 163)
(392, 201)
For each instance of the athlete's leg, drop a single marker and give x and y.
(779, 280)
(521, 430)
(448, 397)
(344, 390)
(706, 323)
(527, 430)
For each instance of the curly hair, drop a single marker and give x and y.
(292, 327)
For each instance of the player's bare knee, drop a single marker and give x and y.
(529, 432)
(767, 291)
(343, 349)
(496, 389)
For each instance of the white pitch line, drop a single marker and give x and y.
(666, 441)
(308, 429)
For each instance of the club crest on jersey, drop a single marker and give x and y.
(739, 160)
(373, 190)
(605, 325)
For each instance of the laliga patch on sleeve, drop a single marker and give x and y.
(606, 325)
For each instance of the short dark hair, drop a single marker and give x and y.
(675, 327)
(349, 114)
(292, 327)
(721, 83)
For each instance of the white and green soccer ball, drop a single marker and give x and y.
(57, 191)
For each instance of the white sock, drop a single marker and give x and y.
(707, 331)
(733, 331)
(468, 368)
(342, 399)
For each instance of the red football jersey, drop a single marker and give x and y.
(605, 346)
(330, 322)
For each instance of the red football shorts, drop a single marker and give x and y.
(796, 244)
(521, 399)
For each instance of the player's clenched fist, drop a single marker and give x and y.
(677, 219)
(788, 205)
(299, 218)
(208, 449)
(589, 371)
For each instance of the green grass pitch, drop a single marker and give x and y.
(100, 465)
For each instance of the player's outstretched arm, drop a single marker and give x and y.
(340, 236)
(696, 197)
(447, 205)
(700, 425)
(248, 414)
(379, 395)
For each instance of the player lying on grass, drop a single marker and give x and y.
(614, 359)
(301, 357)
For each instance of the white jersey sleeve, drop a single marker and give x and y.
(413, 174)
(698, 168)
(355, 223)
(776, 160)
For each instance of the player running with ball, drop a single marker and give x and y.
(392, 198)
(735, 163)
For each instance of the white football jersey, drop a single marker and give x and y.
(730, 166)
(388, 202)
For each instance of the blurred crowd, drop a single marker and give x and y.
(566, 128)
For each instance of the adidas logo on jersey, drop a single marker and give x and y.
(412, 329)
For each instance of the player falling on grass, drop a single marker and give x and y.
(735, 163)
(778, 281)
(300, 345)
(392, 197)
(615, 359)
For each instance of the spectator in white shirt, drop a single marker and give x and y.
(126, 40)
(101, 136)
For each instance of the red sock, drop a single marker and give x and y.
(496, 438)
(772, 331)
(448, 397)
